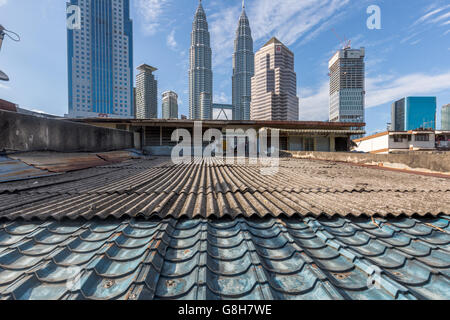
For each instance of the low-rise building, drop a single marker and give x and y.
(443, 140)
(403, 141)
(445, 117)
(156, 134)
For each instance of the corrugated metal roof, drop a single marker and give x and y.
(66, 162)
(309, 258)
(12, 170)
(144, 188)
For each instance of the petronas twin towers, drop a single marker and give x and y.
(200, 71)
(201, 75)
(243, 69)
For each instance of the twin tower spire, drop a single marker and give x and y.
(201, 75)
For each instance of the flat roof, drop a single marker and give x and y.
(385, 133)
(223, 123)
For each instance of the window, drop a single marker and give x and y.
(309, 144)
(398, 138)
(422, 137)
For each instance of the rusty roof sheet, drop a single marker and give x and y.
(13, 170)
(117, 156)
(301, 258)
(66, 162)
(149, 188)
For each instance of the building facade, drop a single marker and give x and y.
(404, 141)
(274, 85)
(398, 115)
(156, 134)
(100, 60)
(413, 113)
(445, 117)
(243, 69)
(347, 86)
(200, 70)
(146, 93)
(169, 105)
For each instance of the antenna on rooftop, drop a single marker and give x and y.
(13, 36)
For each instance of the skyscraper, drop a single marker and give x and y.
(243, 69)
(200, 71)
(445, 117)
(274, 85)
(169, 105)
(347, 85)
(146, 93)
(100, 60)
(398, 115)
(413, 113)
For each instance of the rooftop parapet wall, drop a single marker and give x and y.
(419, 161)
(25, 133)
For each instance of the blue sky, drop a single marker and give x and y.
(409, 56)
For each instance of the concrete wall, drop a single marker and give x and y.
(438, 162)
(374, 145)
(20, 132)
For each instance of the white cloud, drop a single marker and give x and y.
(427, 16)
(38, 111)
(222, 28)
(2, 86)
(3, 2)
(409, 37)
(431, 20)
(314, 104)
(151, 11)
(171, 42)
(440, 18)
(288, 20)
(380, 91)
(221, 98)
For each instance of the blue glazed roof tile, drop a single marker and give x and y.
(310, 258)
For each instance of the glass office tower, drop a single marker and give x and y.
(413, 113)
(100, 60)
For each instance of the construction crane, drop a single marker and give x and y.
(346, 44)
(10, 35)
